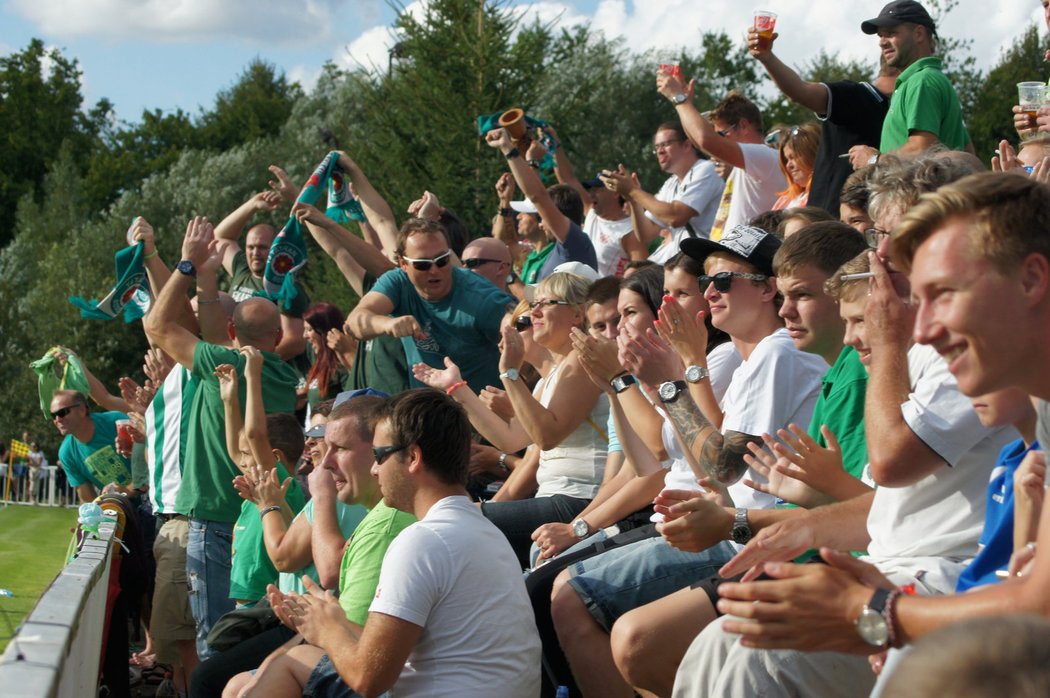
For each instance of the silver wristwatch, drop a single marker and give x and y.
(741, 528)
(695, 374)
(679, 98)
(622, 383)
(670, 390)
(580, 528)
(510, 374)
(871, 624)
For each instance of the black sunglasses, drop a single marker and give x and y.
(549, 302)
(478, 261)
(381, 453)
(723, 280)
(523, 323)
(441, 260)
(63, 411)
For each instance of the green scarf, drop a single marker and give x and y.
(488, 122)
(131, 293)
(288, 252)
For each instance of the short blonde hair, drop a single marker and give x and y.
(850, 289)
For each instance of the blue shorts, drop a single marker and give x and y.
(324, 682)
(624, 578)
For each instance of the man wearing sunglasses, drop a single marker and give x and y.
(87, 453)
(436, 309)
(489, 258)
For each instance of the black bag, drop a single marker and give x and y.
(242, 623)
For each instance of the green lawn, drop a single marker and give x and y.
(33, 543)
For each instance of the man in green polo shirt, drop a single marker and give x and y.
(924, 109)
(207, 495)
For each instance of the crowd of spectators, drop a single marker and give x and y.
(756, 433)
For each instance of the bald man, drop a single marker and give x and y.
(490, 258)
(206, 494)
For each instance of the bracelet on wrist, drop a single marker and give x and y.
(210, 301)
(503, 463)
(505, 211)
(267, 510)
(151, 255)
(534, 164)
(454, 387)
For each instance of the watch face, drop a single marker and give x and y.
(668, 391)
(511, 373)
(741, 534)
(580, 528)
(872, 627)
(695, 374)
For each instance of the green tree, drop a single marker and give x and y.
(256, 106)
(992, 118)
(39, 111)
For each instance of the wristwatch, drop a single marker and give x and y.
(580, 528)
(670, 390)
(741, 528)
(510, 374)
(622, 383)
(512, 153)
(695, 374)
(871, 624)
(679, 98)
(187, 268)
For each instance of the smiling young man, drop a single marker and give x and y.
(87, 454)
(438, 310)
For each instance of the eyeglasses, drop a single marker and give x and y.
(723, 280)
(874, 235)
(523, 323)
(477, 262)
(441, 260)
(381, 453)
(725, 133)
(63, 411)
(664, 145)
(548, 302)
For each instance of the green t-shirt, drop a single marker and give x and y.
(924, 100)
(380, 362)
(530, 268)
(96, 461)
(251, 568)
(349, 516)
(841, 407)
(207, 490)
(359, 572)
(243, 285)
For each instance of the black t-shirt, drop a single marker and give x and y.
(855, 114)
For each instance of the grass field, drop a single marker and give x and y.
(33, 543)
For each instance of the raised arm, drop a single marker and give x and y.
(697, 128)
(326, 540)
(351, 254)
(211, 318)
(377, 210)
(811, 95)
(229, 230)
(254, 412)
(161, 324)
(231, 406)
(529, 183)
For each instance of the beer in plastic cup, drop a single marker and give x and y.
(124, 440)
(1031, 96)
(765, 22)
(668, 62)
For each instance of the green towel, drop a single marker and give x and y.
(130, 294)
(52, 376)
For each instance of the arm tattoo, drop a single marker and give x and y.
(720, 456)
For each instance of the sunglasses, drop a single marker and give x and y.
(478, 261)
(549, 302)
(873, 235)
(63, 411)
(723, 280)
(381, 453)
(441, 260)
(523, 323)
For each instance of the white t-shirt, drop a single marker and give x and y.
(755, 186)
(776, 386)
(606, 237)
(934, 525)
(453, 573)
(701, 190)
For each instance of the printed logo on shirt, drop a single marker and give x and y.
(107, 466)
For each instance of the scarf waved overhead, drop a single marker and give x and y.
(288, 252)
(487, 122)
(130, 295)
(54, 374)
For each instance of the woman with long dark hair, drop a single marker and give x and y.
(328, 368)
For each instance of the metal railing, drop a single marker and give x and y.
(56, 652)
(50, 489)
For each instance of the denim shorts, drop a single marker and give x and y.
(624, 578)
(208, 552)
(324, 682)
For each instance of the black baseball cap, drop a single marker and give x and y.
(751, 244)
(899, 12)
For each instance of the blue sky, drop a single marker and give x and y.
(147, 54)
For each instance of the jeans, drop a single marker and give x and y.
(519, 519)
(208, 553)
(211, 676)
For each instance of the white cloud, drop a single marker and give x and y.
(274, 21)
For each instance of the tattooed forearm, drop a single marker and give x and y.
(720, 457)
(730, 465)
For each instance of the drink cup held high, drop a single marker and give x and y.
(765, 23)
